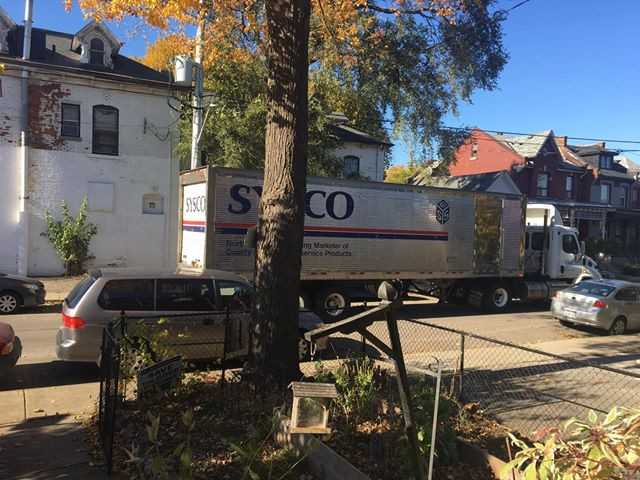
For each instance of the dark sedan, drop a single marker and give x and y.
(17, 291)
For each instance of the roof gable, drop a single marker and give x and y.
(527, 146)
(93, 29)
(6, 25)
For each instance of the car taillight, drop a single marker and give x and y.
(7, 349)
(554, 294)
(74, 323)
(599, 304)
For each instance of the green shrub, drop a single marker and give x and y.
(71, 236)
(607, 449)
(358, 382)
(594, 246)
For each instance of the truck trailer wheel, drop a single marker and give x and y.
(497, 297)
(332, 303)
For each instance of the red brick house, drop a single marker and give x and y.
(543, 167)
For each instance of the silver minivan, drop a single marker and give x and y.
(197, 308)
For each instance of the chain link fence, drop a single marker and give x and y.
(521, 387)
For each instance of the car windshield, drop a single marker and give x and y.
(76, 294)
(590, 288)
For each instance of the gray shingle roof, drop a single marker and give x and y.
(526, 146)
(55, 48)
(349, 134)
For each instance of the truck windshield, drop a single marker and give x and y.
(594, 289)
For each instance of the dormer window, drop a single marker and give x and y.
(96, 52)
(606, 162)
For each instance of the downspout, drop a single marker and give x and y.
(23, 250)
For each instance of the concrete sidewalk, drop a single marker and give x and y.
(59, 287)
(41, 432)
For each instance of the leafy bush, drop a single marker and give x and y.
(71, 236)
(358, 382)
(607, 449)
(595, 246)
(152, 464)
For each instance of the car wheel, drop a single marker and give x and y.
(333, 304)
(304, 348)
(305, 301)
(9, 302)
(618, 327)
(497, 297)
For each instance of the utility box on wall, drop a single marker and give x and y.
(152, 203)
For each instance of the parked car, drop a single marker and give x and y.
(196, 306)
(10, 348)
(612, 305)
(17, 291)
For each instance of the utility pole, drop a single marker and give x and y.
(23, 249)
(198, 93)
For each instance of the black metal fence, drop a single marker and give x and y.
(109, 383)
(130, 344)
(522, 387)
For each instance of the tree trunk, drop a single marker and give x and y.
(281, 221)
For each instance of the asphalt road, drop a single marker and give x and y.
(525, 324)
(38, 366)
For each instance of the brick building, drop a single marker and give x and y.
(99, 125)
(596, 192)
(543, 168)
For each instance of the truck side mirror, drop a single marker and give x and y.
(583, 247)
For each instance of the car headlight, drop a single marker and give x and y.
(31, 286)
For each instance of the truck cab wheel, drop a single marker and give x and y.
(332, 304)
(497, 297)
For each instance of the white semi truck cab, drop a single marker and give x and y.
(564, 259)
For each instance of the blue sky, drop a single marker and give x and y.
(574, 67)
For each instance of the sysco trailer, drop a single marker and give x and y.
(477, 247)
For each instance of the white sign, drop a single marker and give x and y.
(160, 377)
(194, 224)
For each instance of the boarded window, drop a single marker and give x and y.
(105, 130)
(70, 120)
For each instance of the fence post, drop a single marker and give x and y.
(224, 349)
(461, 366)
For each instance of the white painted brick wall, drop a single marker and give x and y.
(126, 236)
(371, 159)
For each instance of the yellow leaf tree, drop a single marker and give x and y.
(357, 40)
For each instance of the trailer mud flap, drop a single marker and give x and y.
(475, 298)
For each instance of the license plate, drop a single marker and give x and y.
(570, 314)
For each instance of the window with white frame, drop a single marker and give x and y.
(624, 195)
(606, 161)
(605, 193)
(569, 187)
(70, 120)
(542, 185)
(96, 52)
(105, 130)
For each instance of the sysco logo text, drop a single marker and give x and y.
(240, 194)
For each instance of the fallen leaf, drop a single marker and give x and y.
(38, 410)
